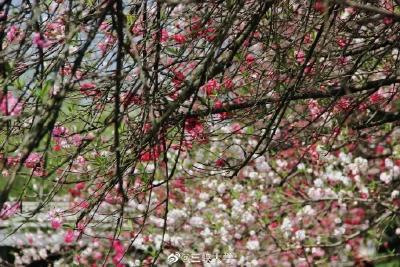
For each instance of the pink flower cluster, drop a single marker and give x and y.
(9, 105)
(9, 209)
(39, 40)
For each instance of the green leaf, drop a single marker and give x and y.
(391, 263)
(19, 84)
(44, 92)
(171, 50)
(130, 19)
(250, 130)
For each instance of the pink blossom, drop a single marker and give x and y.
(314, 108)
(343, 60)
(39, 172)
(76, 139)
(9, 209)
(103, 47)
(89, 89)
(363, 106)
(33, 160)
(9, 105)
(178, 78)
(179, 38)
(387, 20)
(107, 43)
(179, 183)
(88, 85)
(80, 160)
(65, 70)
(194, 127)
(151, 154)
(80, 185)
(117, 246)
(228, 84)
(56, 223)
(211, 86)
(343, 104)
(318, 252)
(250, 59)
(375, 98)
(341, 42)
(110, 39)
(69, 236)
(355, 216)
(137, 29)
(97, 255)
(320, 6)
(74, 192)
(147, 127)
(12, 33)
(307, 38)
(12, 160)
(300, 56)
(218, 104)
(59, 131)
(104, 26)
(210, 34)
(308, 70)
(130, 98)
(164, 35)
(55, 30)
(39, 41)
(236, 128)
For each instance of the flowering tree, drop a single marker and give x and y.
(238, 132)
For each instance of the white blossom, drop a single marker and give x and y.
(300, 235)
(385, 177)
(253, 245)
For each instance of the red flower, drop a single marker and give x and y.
(194, 127)
(151, 154)
(375, 98)
(320, 6)
(89, 89)
(228, 84)
(179, 38)
(250, 59)
(220, 162)
(355, 216)
(130, 98)
(387, 20)
(341, 43)
(343, 60)
(80, 185)
(343, 104)
(180, 184)
(74, 192)
(178, 78)
(211, 86)
(13, 160)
